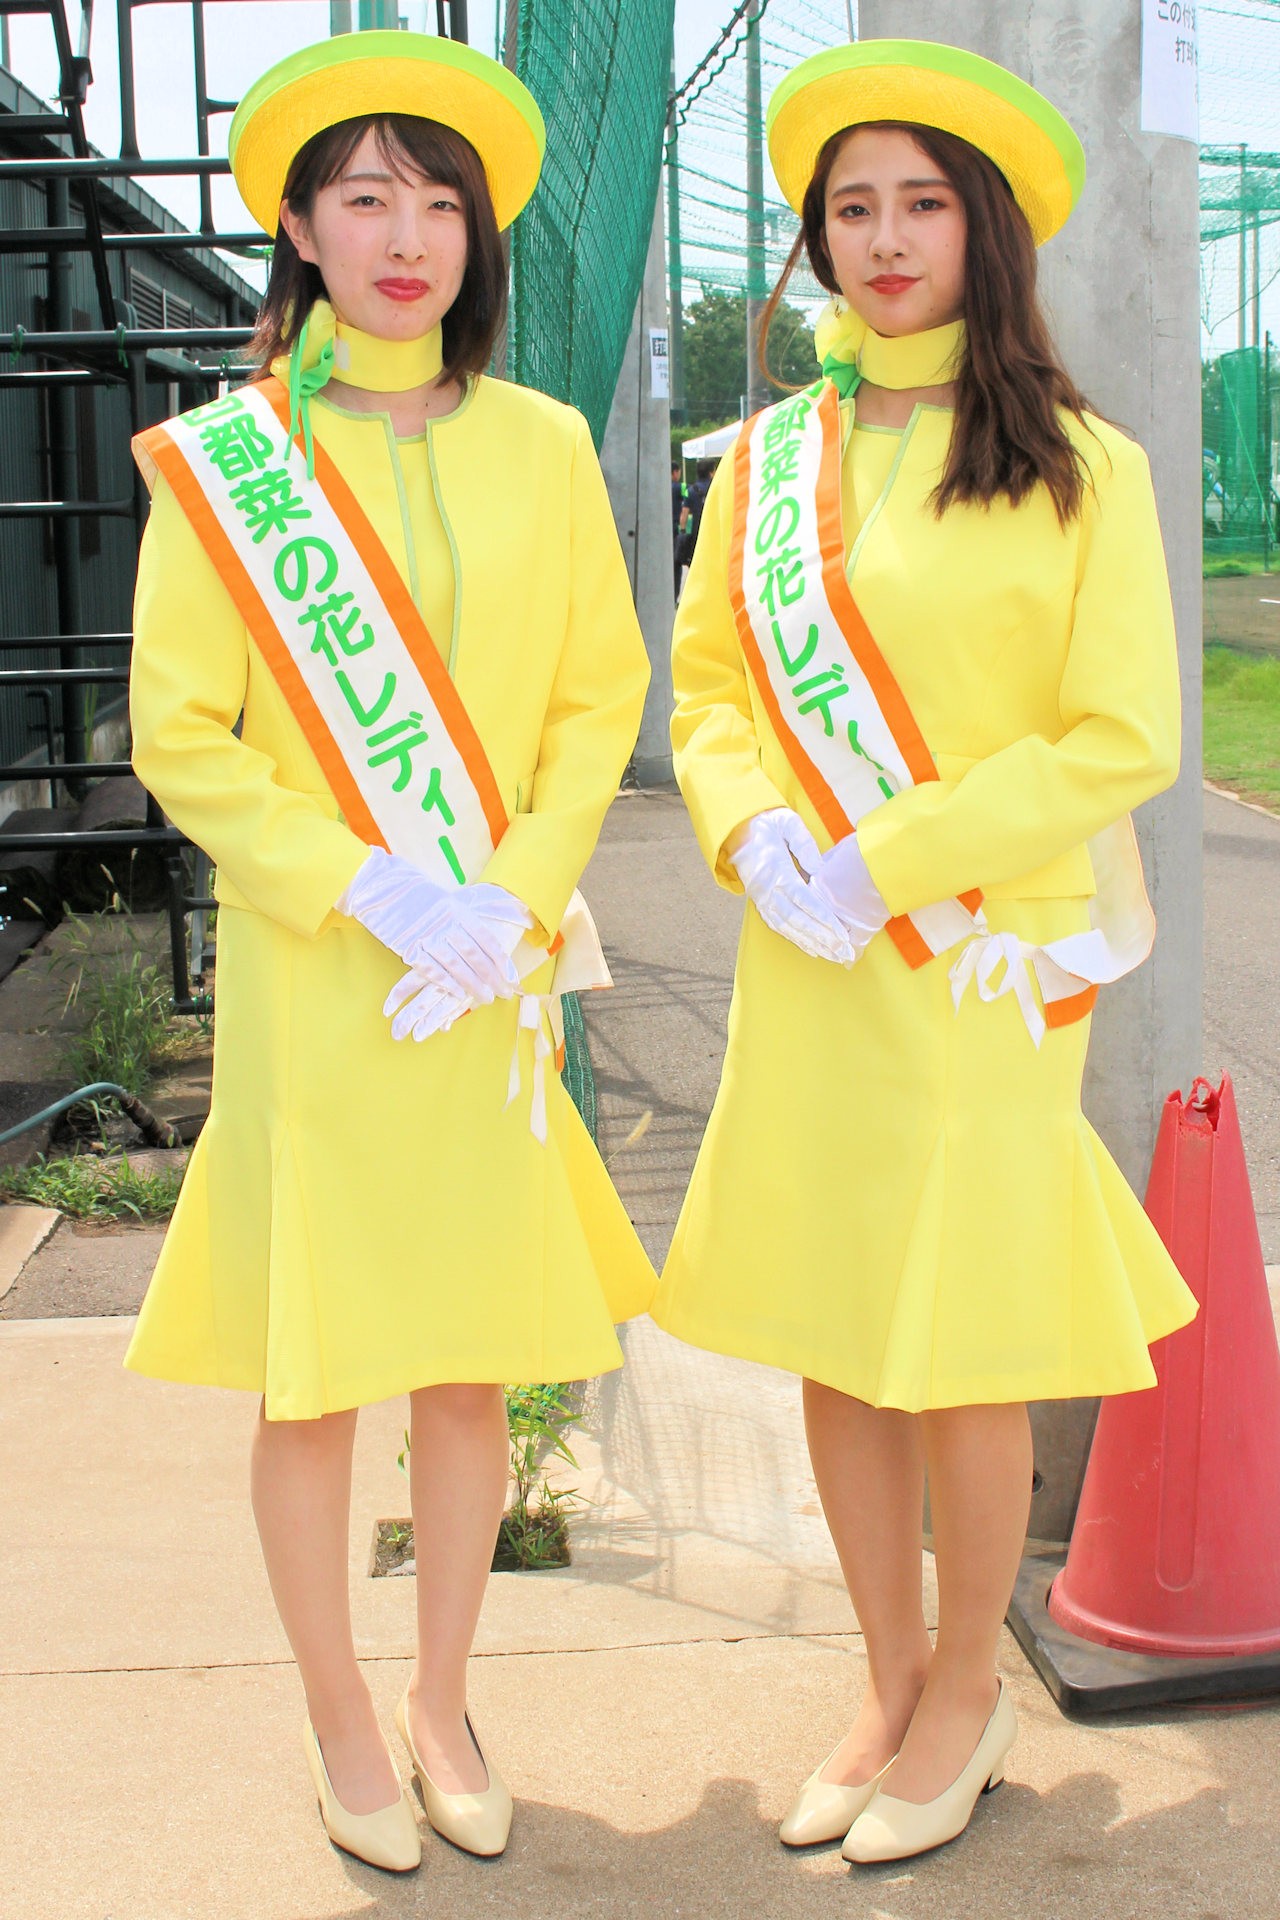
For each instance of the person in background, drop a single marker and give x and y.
(691, 517)
(679, 499)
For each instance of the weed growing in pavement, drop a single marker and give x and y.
(534, 1529)
(87, 1187)
(132, 1031)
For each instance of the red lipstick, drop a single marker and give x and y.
(892, 283)
(403, 289)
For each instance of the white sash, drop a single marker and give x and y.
(850, 737)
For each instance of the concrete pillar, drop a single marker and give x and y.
(636, 458)
(1122, 286)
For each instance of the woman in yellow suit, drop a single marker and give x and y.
(363, 1216)
(898, 1197)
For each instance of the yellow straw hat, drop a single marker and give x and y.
(930, 85)
(363, 73)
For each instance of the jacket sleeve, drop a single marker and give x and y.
(716, 748)
(1119, 703)
(593, 714)
(283, 851)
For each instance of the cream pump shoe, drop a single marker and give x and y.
(823, 1810)
(386, 1838)
(895, 1829)
(476, 1822)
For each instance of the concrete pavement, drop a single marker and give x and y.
(654, 1705)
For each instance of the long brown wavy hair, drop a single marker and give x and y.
(1009, 435)
(407, 145)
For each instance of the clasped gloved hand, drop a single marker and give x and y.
(777, 860)
(460, 940)
(419, 1005)
(857, 899)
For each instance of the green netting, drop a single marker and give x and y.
(599, 69)
(577, 1073)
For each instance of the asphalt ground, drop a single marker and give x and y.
(1244, 613)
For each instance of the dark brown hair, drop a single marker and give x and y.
(406, 145)
(1008, 434)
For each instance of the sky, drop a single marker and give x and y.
(1240, 88)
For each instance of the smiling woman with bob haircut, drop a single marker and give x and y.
(387, 672)
(924, 668)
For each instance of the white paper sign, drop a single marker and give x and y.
(659, 366)
(1170, 99)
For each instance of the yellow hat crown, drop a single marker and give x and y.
(931, 85)
(355, 74)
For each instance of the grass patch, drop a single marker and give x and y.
(1238, 566)
(87, 1187)
(1242, 723)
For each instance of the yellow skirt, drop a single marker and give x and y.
(362, 1217)
(905, 1202)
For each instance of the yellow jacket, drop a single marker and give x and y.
(1039, 661)
(548, 659)
(361, 1217)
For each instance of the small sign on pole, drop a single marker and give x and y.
(1170, 69)
(659, 365)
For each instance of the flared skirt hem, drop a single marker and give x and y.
(1084, 1381)
(512, 1368)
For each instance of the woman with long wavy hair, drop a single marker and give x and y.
(924, 668)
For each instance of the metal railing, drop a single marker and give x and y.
(60, 360)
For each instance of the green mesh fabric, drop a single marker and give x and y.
(599, 69)
(577, 1074)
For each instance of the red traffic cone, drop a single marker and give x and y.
(1176, 1545)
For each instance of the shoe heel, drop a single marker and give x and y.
(996, 1780)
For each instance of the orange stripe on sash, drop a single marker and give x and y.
(1064, 1013)
(253, 611)
(409, 622)
(857, 634)
(857, 637)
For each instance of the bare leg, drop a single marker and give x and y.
(980, 1489)
(869, 1466)
(300, 1477)
(458, 1466)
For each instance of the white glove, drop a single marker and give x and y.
(462, 938)
(418, 1007)
(777, 860)
(857, 899)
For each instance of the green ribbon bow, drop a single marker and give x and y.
(843, 375)
(303, 382)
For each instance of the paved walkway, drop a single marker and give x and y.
(653, 1706)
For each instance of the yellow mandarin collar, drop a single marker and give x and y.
(850, 351)
(327, 349)
(386, 366)
(330, 347)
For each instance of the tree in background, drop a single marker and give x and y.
(715, 355)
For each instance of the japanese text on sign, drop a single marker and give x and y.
(1170, 99)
